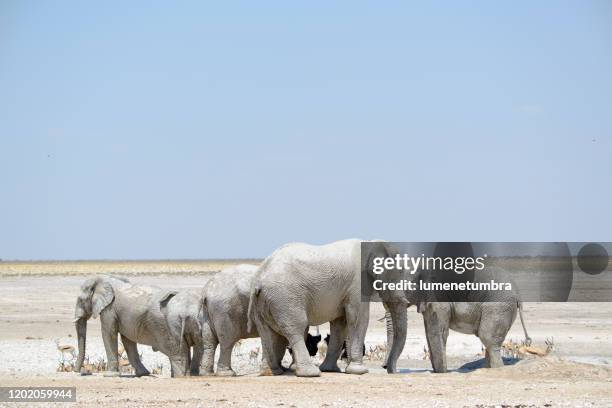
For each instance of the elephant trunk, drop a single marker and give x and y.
(389, 322)
(81, 328)
(399, 320)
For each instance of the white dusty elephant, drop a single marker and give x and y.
(165, 320)
(303, 285)
(225, 300)
(486, 314)
(489, 321)
(225, 306)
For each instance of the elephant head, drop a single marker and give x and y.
(96, 294)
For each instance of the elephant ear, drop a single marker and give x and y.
(102, 296)
(163, 302)
(374, 250)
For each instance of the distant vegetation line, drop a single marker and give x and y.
(185, 260)
(117, 267)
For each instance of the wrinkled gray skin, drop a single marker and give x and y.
(225, 317)
(184, 320)
(490, 321)
(225, 307)
(488, 315)
(165, 320)
(303, 285)
(389, 323)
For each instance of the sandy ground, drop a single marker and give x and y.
(37, 310)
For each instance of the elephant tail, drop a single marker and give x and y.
(252, 308)
(202, 313)
(183, 330)
(520, 309)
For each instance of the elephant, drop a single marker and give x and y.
(486, 314)
(225, 300)
(167, 321)
(301, 285)
(182, 311)
(225, 305)
(489, 321)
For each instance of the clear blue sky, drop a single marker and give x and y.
(225, 129)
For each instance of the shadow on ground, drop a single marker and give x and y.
(465, 368)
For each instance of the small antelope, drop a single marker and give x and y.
(65, 349)
(425, 353)
(254, 355)
(238, 347)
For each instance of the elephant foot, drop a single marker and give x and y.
(356, 368)
(178, 375)
(495, 364)
(225, 372)
(143, 373)
(111, 374)
(85, 371)
(329, 368)
(309, 370)
(267, 371)
(292, 367)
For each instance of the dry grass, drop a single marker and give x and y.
(376, 352)
(90, 366)
(124, 268)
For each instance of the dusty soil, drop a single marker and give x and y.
(37, 310)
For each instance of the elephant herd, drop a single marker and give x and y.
(297, 286)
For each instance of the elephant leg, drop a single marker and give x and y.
(186, 352)
(264, 366)
(493, 357)
(293, 365)
(357, 318)
(196, 360)
(495, 323)
(224, 365)
(274, 346)
(436, 317)
(180, 361)
(292, 328)
(109, 336)
(303, 365)
(131, 348)
(336, 337)
(179, 365)
(210, 346)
